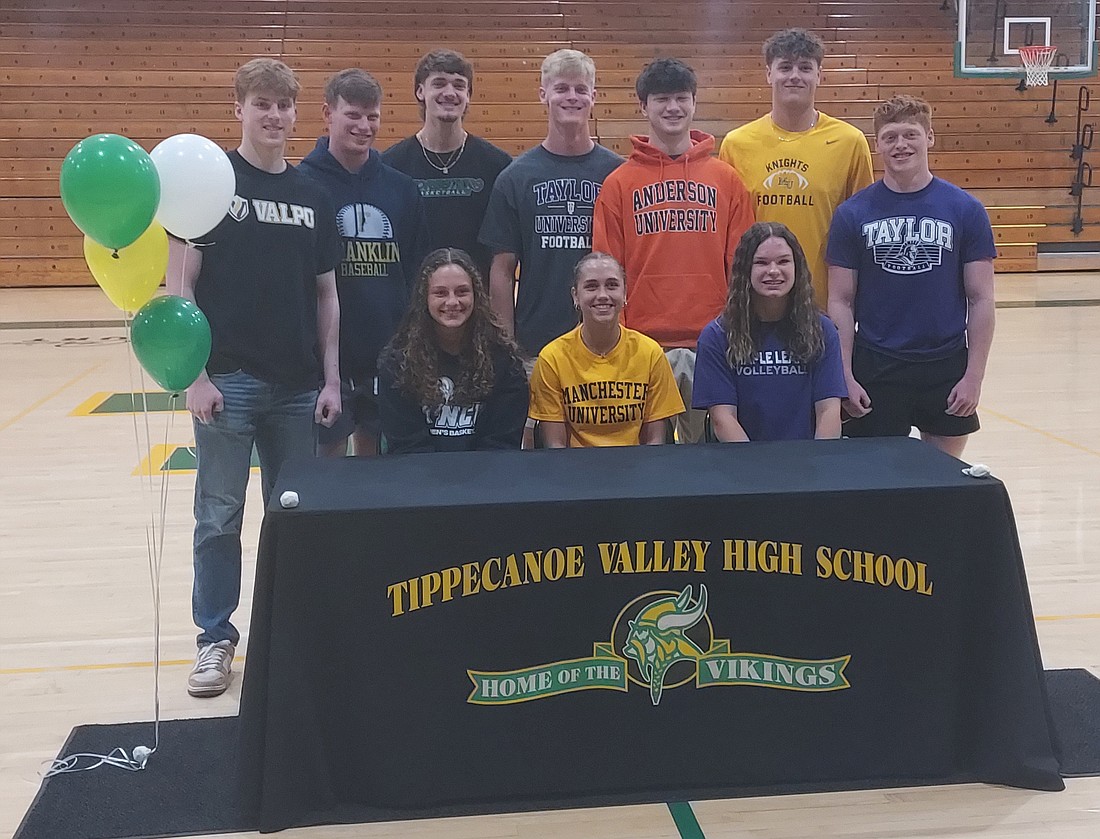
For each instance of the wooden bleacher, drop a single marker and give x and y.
(156, 68)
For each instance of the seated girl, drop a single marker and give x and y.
(769, 367)
(602, 384)
(451, 379)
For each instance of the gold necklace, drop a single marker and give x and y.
(776, 129)
(611, 349)
(443, 166)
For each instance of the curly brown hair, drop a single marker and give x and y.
(800, 328)
(414, 350)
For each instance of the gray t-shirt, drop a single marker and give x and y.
(541, 210)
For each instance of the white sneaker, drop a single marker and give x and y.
(210, 675)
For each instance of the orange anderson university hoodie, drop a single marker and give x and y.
(674, 225)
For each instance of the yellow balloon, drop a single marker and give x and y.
(130, 276)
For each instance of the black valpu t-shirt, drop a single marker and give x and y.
(454, 201)
(258, 281)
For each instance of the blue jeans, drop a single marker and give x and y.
(279, 420)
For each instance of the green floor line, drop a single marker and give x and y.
(685, 820)
(182, 459)
(129, 403)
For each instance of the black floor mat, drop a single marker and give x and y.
(190, 786)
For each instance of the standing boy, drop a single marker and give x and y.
(264, 279)
(672, 216)
(540, 212)
(911, 291)
(380, 215)
(454, 170)
(799, 163)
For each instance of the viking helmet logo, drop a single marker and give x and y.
(657, 638)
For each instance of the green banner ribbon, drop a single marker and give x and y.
(720, 667)
(603, 671)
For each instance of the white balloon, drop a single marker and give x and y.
(197, 184)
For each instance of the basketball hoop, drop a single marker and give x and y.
(1037, 62)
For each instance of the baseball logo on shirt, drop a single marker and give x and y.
(363, 221)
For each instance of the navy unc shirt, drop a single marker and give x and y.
(909, 249)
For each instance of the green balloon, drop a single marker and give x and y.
(110, 189)
(171, 339)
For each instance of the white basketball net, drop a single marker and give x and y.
(1037, 62)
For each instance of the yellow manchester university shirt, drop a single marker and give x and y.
(799, 178)
(603, 399)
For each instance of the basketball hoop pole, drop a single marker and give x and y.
(1053, 117)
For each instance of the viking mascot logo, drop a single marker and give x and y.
(661, 640)
(657, 638)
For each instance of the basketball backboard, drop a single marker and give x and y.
(991, 33)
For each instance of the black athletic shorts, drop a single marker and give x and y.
(360, 411)
(906, 394)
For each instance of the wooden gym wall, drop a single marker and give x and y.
(151, 69)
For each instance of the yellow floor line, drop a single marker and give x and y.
(20, 671)
(154, 463)
(1040, 431)
(122, 665)
(31, 408)
(85, 408)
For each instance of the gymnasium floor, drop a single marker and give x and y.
(75, 604)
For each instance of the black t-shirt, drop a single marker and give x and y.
(258, 281)
(454, 202)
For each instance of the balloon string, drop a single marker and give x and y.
(183, 264)
(154, 544)
(158, 554)
(155, 539)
